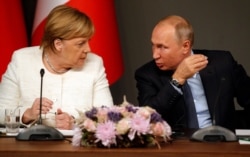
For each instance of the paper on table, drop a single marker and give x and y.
(243, 135)
(242, 132)
(66, 132)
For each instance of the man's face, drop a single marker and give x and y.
(167, 50)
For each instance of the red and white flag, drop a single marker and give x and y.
(105, 41)
(12, 30)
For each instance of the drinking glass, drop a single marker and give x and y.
(12, 121)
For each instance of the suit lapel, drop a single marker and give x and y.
(211, 85)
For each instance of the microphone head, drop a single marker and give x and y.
(42, 72)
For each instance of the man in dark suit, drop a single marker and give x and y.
(213, 77)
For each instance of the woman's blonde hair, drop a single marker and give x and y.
(65, 22)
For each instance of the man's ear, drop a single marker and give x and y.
(58, 44)
(186, 46)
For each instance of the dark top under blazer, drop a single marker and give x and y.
(222, 71)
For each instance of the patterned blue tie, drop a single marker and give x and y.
(191, 112)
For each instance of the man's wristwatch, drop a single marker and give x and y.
(176, 83)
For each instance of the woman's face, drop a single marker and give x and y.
(73, 52)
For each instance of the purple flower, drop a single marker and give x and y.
(92, 114)
(156, 117)
(114, 116)
(131, 108)
(105, 132)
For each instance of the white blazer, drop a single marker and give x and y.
(74, 90)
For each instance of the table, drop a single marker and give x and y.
(9, 147)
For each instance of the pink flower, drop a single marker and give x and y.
(139, 125)
(167, 128)
(144, 111)
(161, 129)
(102, 114)
(158, 129)
(89, 125)
(105, 132)
(76, 140)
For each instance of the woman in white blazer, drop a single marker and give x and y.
(74, 78)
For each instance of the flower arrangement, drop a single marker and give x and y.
(121, 126)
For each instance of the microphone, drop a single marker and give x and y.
(40, 132)
(214, 133)
(41, 92)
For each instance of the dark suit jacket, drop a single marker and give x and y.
(223, 80)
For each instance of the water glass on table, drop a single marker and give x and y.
(12, 121)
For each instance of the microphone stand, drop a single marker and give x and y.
(40, 132)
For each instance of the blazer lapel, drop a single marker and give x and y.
(210, 85)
